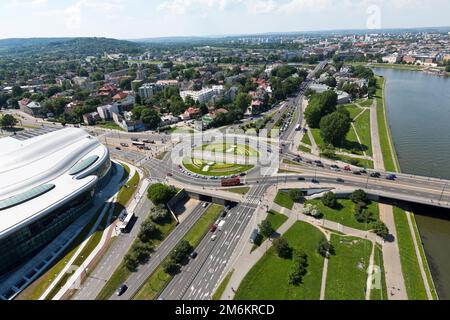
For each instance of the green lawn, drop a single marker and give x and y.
(347, 270)
(111, 125)
(269, 278)
(415, 287)
(362, 126)
(363, 163)
(219, 169)
(384, 131)
(159, 279)
(276, 220)
(282, 199)
(424, 259)
(306, 139)
(345, 213)
(317, 137)
(125, 194)
(304, 149)
(219, 292)
(379, 293)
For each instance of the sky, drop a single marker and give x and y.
(136, 19)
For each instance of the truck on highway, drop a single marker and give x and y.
(231, 182)
(221, 225)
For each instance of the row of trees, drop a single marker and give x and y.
(177, 257)
(8, 121)
(142, 248)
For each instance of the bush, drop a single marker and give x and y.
(295, 194)
(363, 216)
(141, 251)
(359, 196)
(282, 248)
(299, 269)
(329, 200)
(311, 210)
(131, 262)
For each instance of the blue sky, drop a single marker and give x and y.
(128, 19)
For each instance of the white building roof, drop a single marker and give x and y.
(43, 160)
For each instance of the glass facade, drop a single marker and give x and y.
(17, 247)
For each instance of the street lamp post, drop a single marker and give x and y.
(442, 194)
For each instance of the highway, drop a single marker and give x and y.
(137, 279)
(197, 280)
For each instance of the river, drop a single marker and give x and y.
(418, 107)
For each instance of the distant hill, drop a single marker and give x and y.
(71, 46)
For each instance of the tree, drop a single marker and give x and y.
(325, 248)
(381, 229)
(160, 193)
(171, 267)
(282, 248)
(329, 200)
(299, 269)
(447, 68)
(141, 251)
(150, 118)
(334, 128)
(17, 91)
(147, 231)
(266, 229)
(8, 121)
(52, 91)
(242, 101)
(160, 214)
(359, 196)
(125, 83)
(131, 262)
(313, 116)
(181, 251)
(311, 210)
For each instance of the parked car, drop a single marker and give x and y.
(193, 255)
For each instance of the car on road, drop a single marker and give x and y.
(320, 165)
(134, 139)
(213, 238)
(124, 145)
(193, 255)
(391, 177)
(340, 180)
(315, 181)
(363, 171)
(347, 168)
(224, 214)
(243, 174)
(121, 290)
(309, 162)
(375, 175)
(117, 148)
(357, 173)
(213, 228)
(301, 179)
(169, 174)
(204, 205)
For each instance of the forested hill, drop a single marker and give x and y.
(71, 46)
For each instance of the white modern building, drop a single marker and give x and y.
(203, 96)
(47, 180)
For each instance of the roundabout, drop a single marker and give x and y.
(201, 165)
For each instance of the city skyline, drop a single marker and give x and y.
(136, 19)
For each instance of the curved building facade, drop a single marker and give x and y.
(46, 182)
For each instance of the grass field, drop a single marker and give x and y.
(217, 169)
(218, 294)
(282, 199)
(111, 125)
(304, 149)
(424, 259)
(276, 219)
(362, 126)
(344, 214)
(269, 278)
(384, 131)
(415, 287)
(306, 139)
(159, 279)
(379, 293)
(347, 270)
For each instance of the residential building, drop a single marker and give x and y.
(203, 96)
